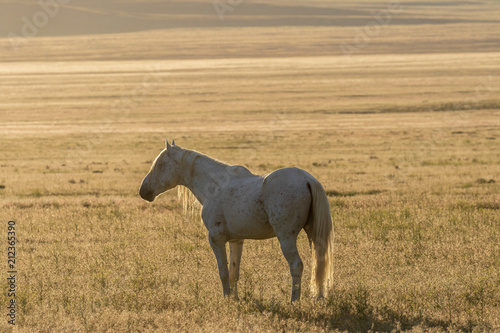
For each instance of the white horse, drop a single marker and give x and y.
(239, 205)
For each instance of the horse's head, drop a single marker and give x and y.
(164, 173)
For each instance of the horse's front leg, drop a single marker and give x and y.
(235, 250)
(219, 247)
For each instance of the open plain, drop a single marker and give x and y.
(402, 130)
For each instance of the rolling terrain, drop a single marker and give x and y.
(398, 118)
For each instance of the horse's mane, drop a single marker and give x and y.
(188, 159)
(188, 201)
(190, 156)
(185, 197)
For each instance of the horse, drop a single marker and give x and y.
(238, 205)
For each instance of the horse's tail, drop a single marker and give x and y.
(321, 236)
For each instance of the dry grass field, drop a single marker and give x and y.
(403, 134)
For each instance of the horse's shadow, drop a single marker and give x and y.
(344, 318)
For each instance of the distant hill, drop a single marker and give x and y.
(83, 17)
(62, 30)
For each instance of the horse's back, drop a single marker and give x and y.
(242, 208)
(266, 206)
(239, 171)
(286, 181)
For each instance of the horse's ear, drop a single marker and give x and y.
(173, 142)
(168, 145)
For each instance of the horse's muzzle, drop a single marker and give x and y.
(146, 194)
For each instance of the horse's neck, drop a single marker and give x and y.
(203, 175)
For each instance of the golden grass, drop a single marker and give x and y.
(416, 229)
(404, 141)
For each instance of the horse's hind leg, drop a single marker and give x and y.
(289, 249)
(235, 250)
